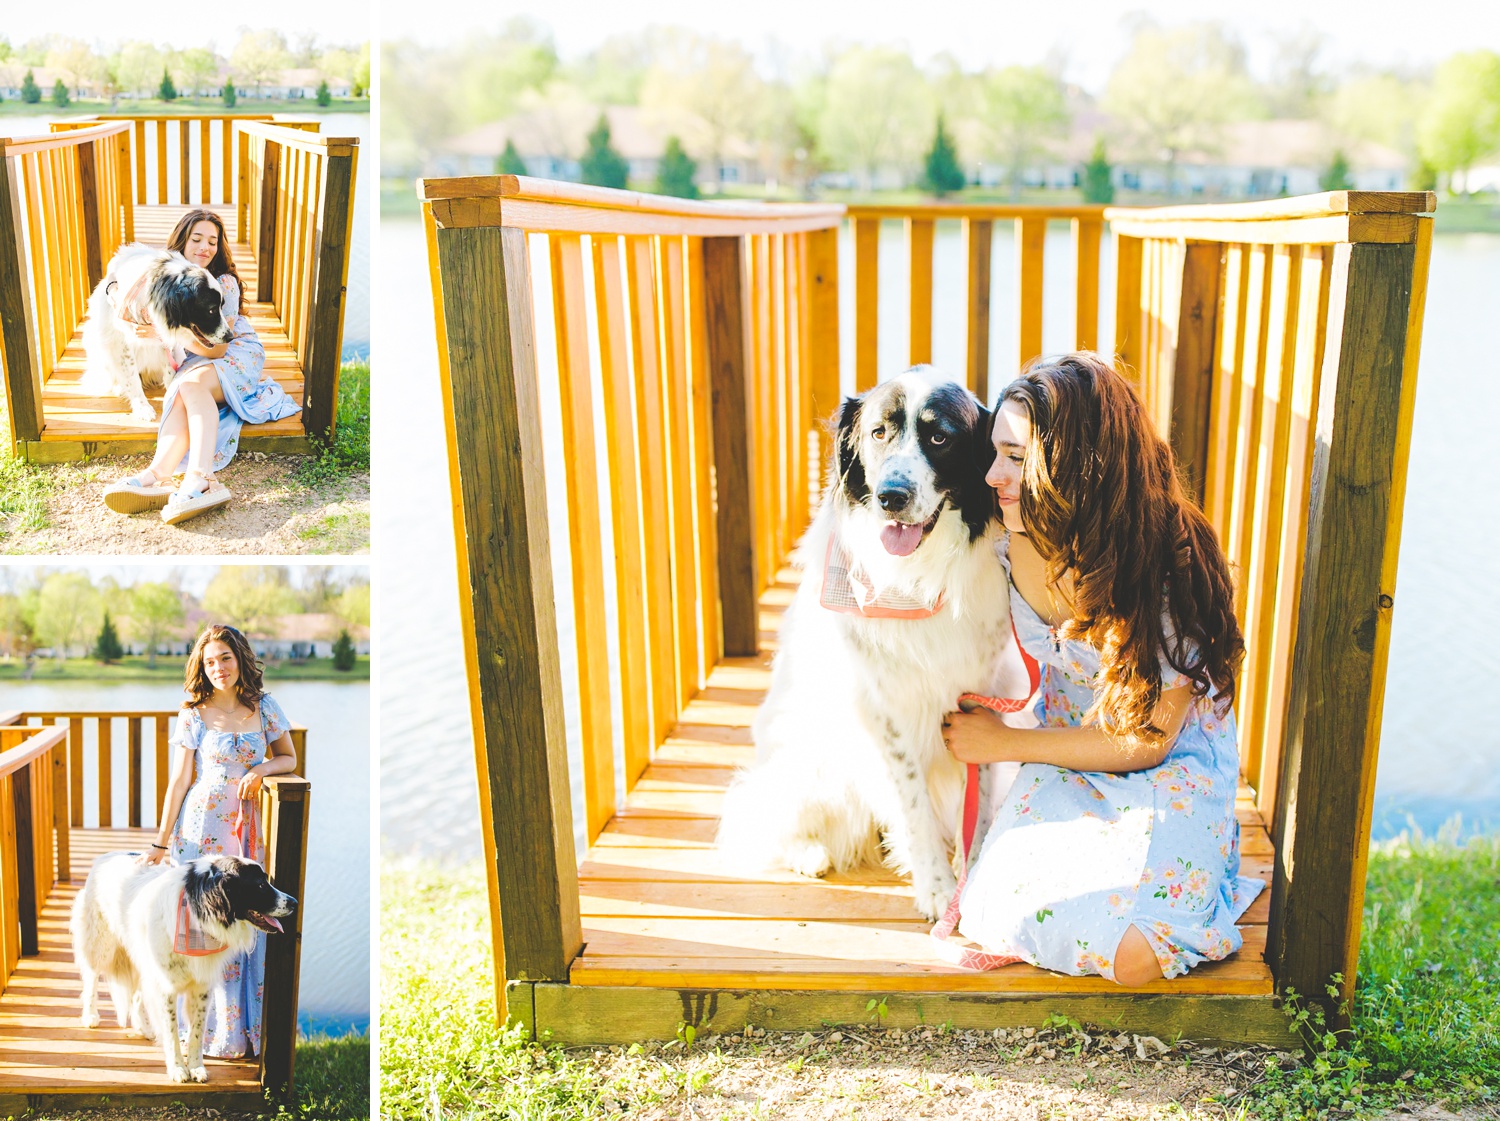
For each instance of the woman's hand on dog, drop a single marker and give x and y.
(152, 855)
(974, 737)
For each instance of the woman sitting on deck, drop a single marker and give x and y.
(232, 734)
(1116, 851)
(215, 391)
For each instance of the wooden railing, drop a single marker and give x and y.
(296, 207)
(977, 227)
(1277, 343)
(715, 328)
(64, 210)
(42, 796)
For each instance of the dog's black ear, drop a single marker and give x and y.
(976, 499)
(208, 894)
(846, 441)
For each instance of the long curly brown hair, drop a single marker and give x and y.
(196, 683)
(222, 261)
(1100, 498)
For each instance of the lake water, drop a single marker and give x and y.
(1437, 759)
(335, 981)
(357, 306)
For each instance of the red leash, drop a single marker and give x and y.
(967, 956)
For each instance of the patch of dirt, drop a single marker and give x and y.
(271, 513)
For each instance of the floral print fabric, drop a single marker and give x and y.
(249, 396)
(1074, 858)
(205, 827)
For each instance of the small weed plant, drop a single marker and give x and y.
(348, 453)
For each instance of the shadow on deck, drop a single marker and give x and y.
(44, 1049)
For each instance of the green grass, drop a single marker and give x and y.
(1426, 1017)
(349, 451)
(169, 670)
(183, 106)
(332, 1079)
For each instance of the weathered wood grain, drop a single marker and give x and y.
(1193, 365)
(978, 239)
(329, 284)
(284, 809)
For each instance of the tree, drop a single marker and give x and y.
(31, 93)
(343, 652)
(197, 68)
(1098, 178)
(708, 83)
(108, 649)
(1461, 122)
(1298, 86)
(60, 96)
(875, 112)
(67, 611)
(353, 606)
(229, 95)
(155, 612)
(1337, 176)
(258, 57)
(941, 173)
(675, 172)
(137, 67)
(1022, 107)
(325, 97)
(601, 164)
(509, 162)
(249, 597)
(166, 91)
(1176, 89)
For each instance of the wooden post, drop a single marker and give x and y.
(1193, 364)
(330, 278)
(728, 364)
(1322, 826)
(20, 789)
(23, 383)
(265, 236)
(88, 196)
(506, 599)
(284, 806)
(978, 238)
(133, 770)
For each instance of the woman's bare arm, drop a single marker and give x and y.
(281, 760)
(181, 782)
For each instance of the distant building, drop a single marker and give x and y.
(309, 636)
(295, 85)
(13, 73)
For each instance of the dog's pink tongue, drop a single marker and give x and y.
(274, 923)
(901, 539)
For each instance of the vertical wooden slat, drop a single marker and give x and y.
(866, 303)
(105, 755)
(1247, 432)
(139, 193)
(242, 195)
(638, 712)
(1031, 247)
(724, 314)
(161, 162)
(1193, 362)
(265, 239)
(184, 165)
(23, 380)
(60, 810)
(1128, 302)
(205, 161)
(284, 812)
(1225, 403)
(10, 925)
(163, 767)
(919, 233)
(705, 529)
(26, 893)
(978, 239)
(581, 479)
(1087, 233)
(506, 596)
(1344, 615)
(672, 344)
(133, 725)
(92, 213)
(127, 193)
(226, 154)
(762, 447)
(75, 771)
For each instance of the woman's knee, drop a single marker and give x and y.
(1135, 960)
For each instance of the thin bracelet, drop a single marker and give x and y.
(156, 846)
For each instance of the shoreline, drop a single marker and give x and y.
(168, 671)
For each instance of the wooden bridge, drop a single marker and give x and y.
(1274, 343)
(70, 199)
(46, 1056)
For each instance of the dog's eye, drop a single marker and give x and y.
(937, 439)
(878, 432)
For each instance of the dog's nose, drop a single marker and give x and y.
(893, 497)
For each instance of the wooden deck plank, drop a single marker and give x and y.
(659, 911)
(44, 1049)
(72, 414)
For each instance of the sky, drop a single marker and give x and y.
(109, 22)
(1092, 34)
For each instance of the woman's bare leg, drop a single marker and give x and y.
(1135, 960)
(171, 444)
(200, 395)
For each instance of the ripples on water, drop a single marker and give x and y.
(1436, 758)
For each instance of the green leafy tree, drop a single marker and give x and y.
(1098, 180)
(259, 56)
(711, 80)
(107, 648)
(155, 613)
(229, 95)
(941, 173)
(1461, 122)
(166, 91)
(1022, 108)
(31, 93)
(353, 605)
(249, 597)
(67, 611)
(875, 111)
(1337, 176)
(60, 96)
(196, 69)
(325, 96)
(18, 622)
(674, 175)
(343, 652)
(601, 164)
(509, 161)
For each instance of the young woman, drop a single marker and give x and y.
(1116, 852)
(232, 735)
(215, 391)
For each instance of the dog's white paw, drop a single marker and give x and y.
(143, 412)
(932, 898)
(90, 1017)
(198, 1073)
(176, 1073)
(810, 859)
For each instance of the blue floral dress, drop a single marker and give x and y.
(1074, 858)
(205, 827)
(249, 396)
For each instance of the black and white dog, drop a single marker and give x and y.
(157, 933)
(146, 287)
(903, 606)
